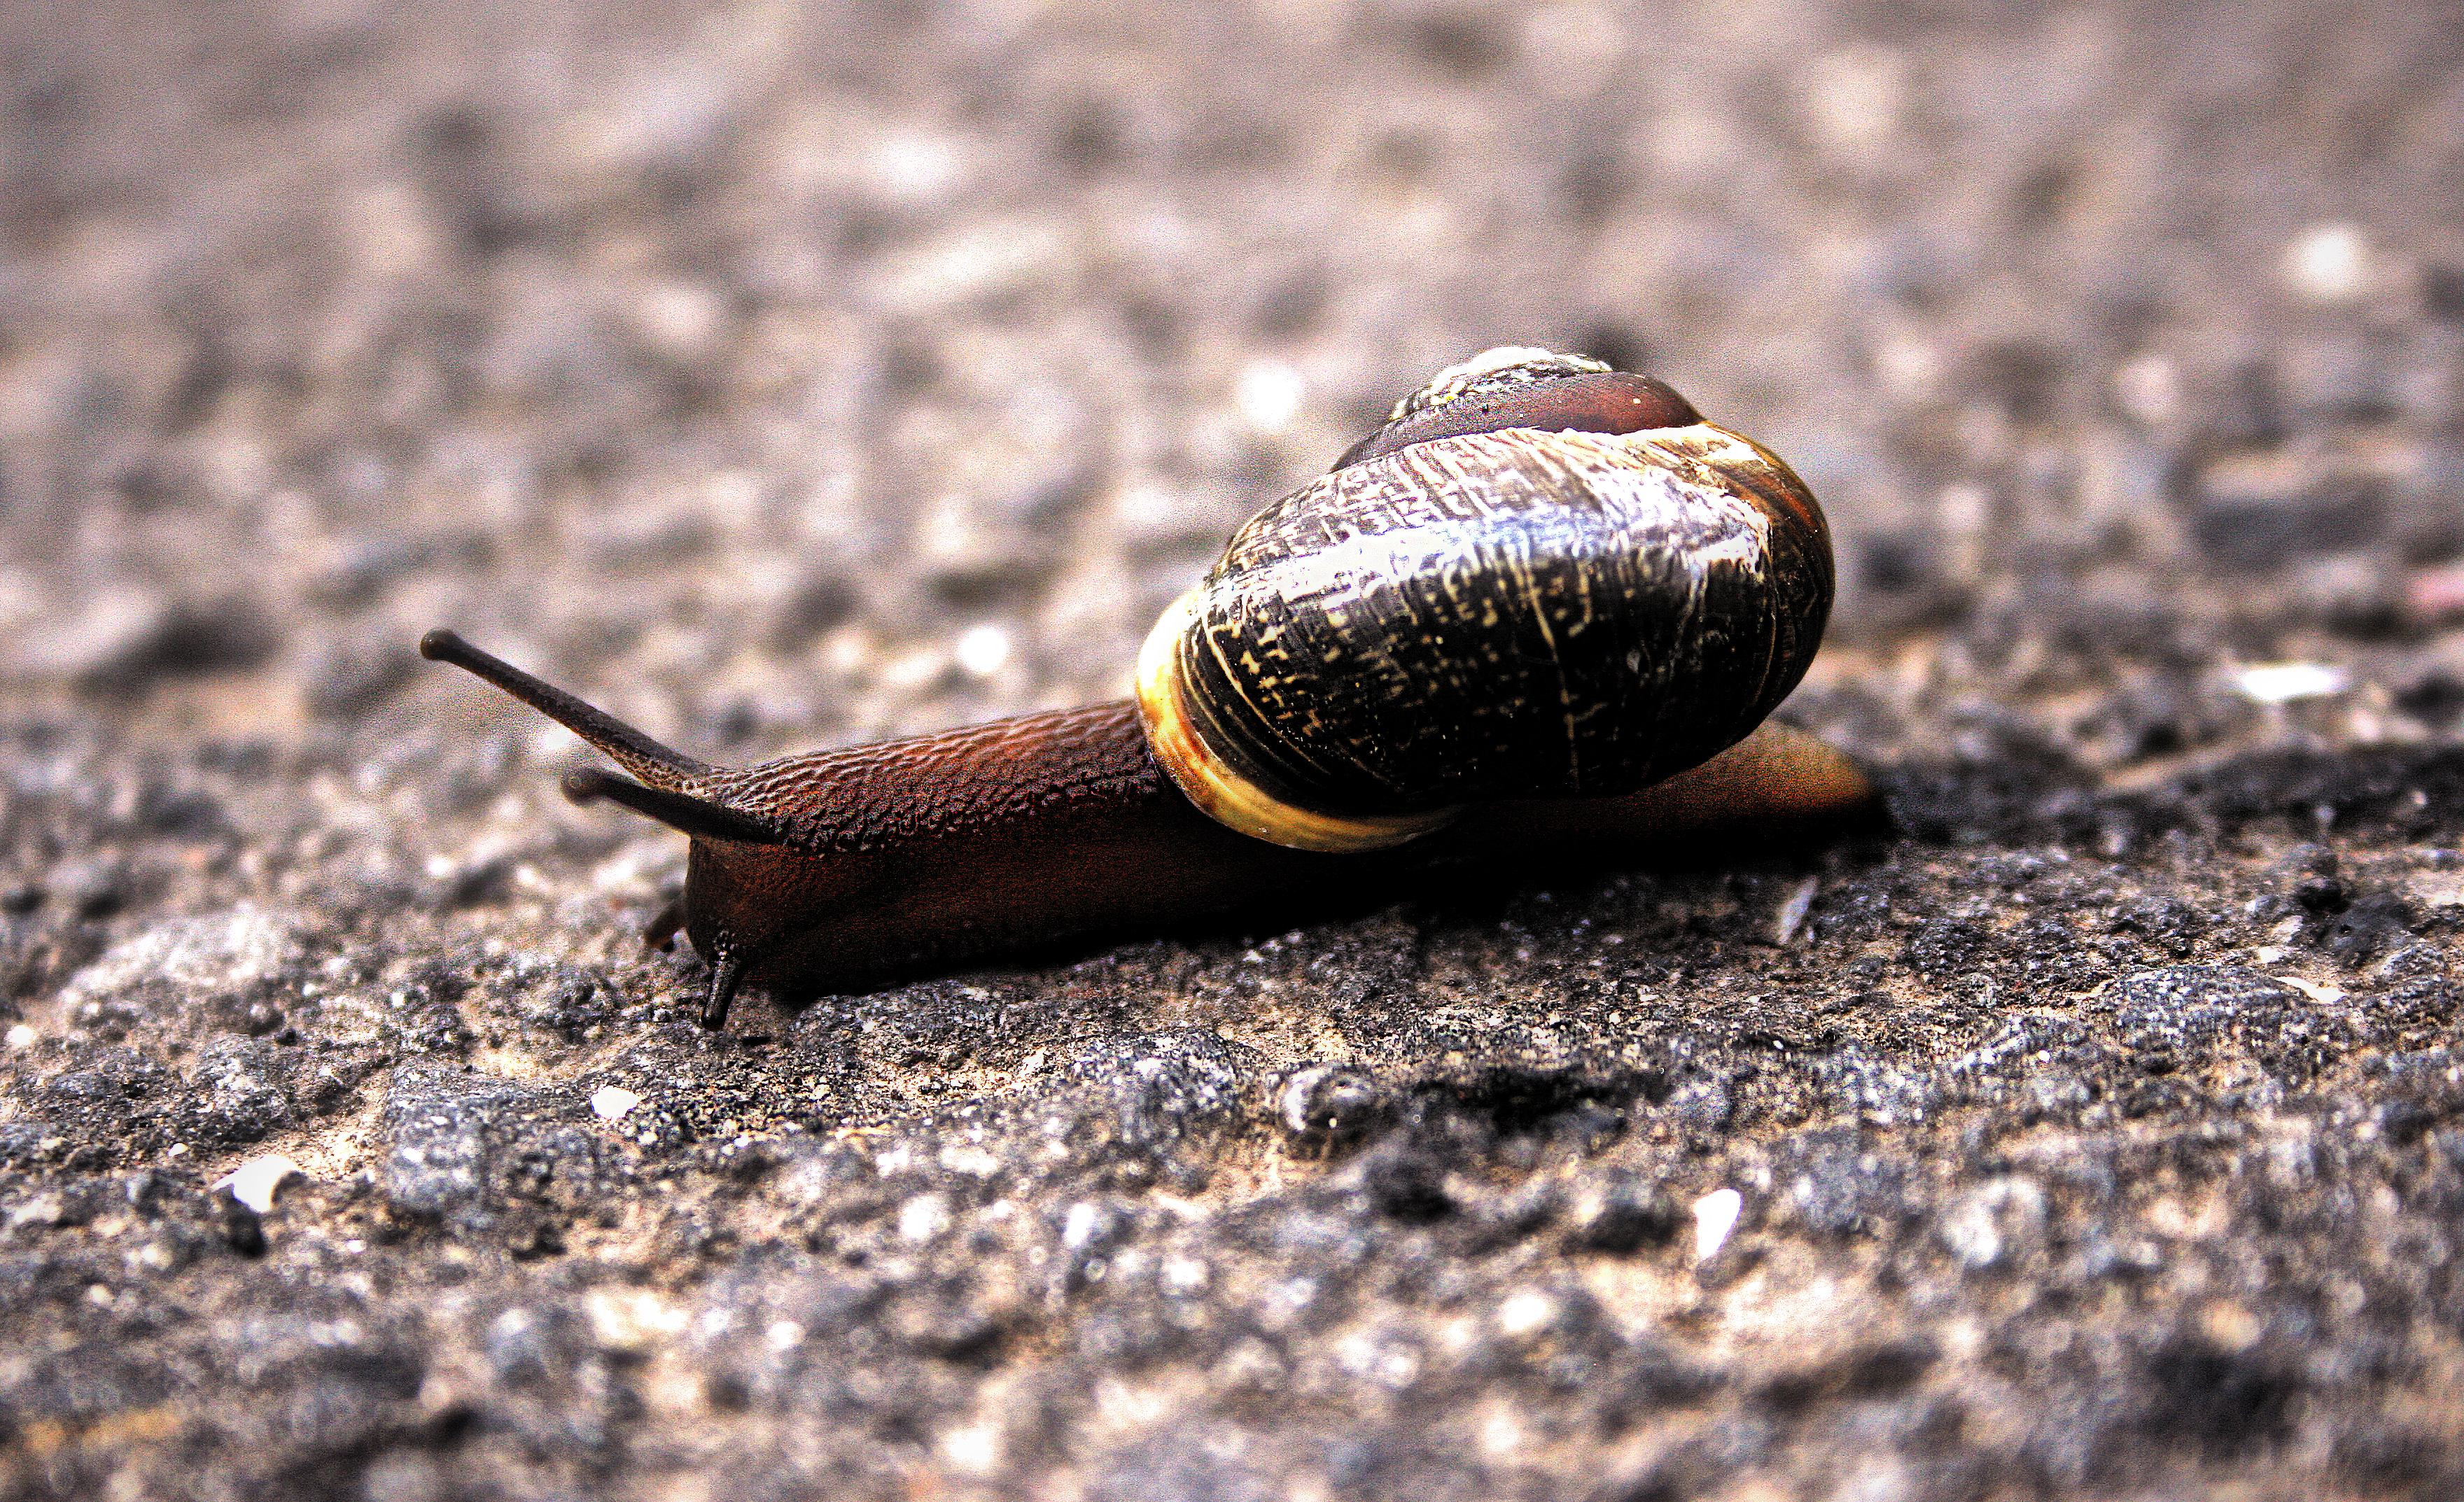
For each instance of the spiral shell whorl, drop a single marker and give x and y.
(1504, 368)
(1483, 615)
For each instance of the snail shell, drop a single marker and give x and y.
(1540, 579)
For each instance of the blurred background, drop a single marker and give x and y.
(790, 373)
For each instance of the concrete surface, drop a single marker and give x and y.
(781, 376)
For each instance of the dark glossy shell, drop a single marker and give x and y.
(1472, 616)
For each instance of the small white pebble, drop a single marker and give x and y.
(1526, 1312)
(1079, 1225)
(2328, 262)
(924, 1217)
(913, 165)
(1184, 1275)
(44, 1209)
(2324, 995)
(610, 1102)
(982, 650)
(975, 1449)
(1502, 1433)
(21, 1036)
(1791, 912)
(255, 1182)
(1268, 394)
(784, 1334)
(1715, 1215)
(962, 1158)
(2283, 682)
(632, 1320)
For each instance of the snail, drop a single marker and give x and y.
(1543, 611)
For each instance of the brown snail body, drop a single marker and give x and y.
(1544, 608)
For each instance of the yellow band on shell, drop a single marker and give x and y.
(1222, 792)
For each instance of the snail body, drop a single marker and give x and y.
(1537, 611)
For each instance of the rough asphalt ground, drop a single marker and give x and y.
(781, 376)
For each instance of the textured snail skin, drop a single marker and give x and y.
(948, 848)
(846, 869)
